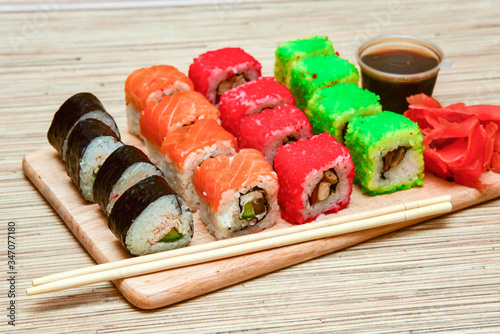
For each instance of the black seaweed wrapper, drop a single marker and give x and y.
(112, 169)
(69, 113)
(135, 200)
(81, 136)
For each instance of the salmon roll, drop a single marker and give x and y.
(274, 127)
(78, 107)
(150, 217)
(313, 184)
(251, 98)
(151, 84)
(126, 166)
(387, 151)
(289, 52)
(89, 145)
(331, 108)
(312, 73)
(238, 194)
(186, 148)
(216, 72)
(172, 113)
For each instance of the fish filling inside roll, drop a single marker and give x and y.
(325, 187)
(392, 159)
(227, 84)
(164, 222)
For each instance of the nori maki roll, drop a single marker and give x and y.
(78, 107)
(150, 217)
(89, 144)
(126, 166)
(387, 151)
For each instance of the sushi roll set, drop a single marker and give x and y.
(386, 148)
(112, 174)
(236, 147)
(184, 137)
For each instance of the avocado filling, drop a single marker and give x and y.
(326, 186)
(392, 159)
(172, 235)
(253, 205)
(226, 85)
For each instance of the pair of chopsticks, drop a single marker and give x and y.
(241, 245)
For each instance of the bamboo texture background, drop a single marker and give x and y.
(442, 276)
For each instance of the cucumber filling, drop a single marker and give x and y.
(325, 187)
(172, 235)
(253, 206)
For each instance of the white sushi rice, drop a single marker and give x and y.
(96, 114)
(277, 139)
(181, 179)
(131, 176)
(133, 116)
(155, 222)
(226, 222)
(339, 196)
(94, 156)
(404, 173)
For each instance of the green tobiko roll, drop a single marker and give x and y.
(387, 152)
(331, 108)
(312, 73)
(289, 52)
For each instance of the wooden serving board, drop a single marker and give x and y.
(89, 224)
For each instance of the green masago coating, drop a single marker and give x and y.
(312, 73)
(370, 139)
(331, 108)
(289, 52)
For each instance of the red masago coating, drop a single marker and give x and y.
(251, 98)
(211, 68)
(274, 127)
(296, 163)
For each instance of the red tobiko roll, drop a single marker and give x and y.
(215, 72)
(251, 98)
(315, 177)
(274, 127)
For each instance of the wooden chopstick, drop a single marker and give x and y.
(239, 249)
(240, 240)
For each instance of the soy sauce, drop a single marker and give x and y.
(392, 91)
(400, 61)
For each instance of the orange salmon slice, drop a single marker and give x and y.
(215, 176)
(179, 144)
(151, 82)
(173, 112)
